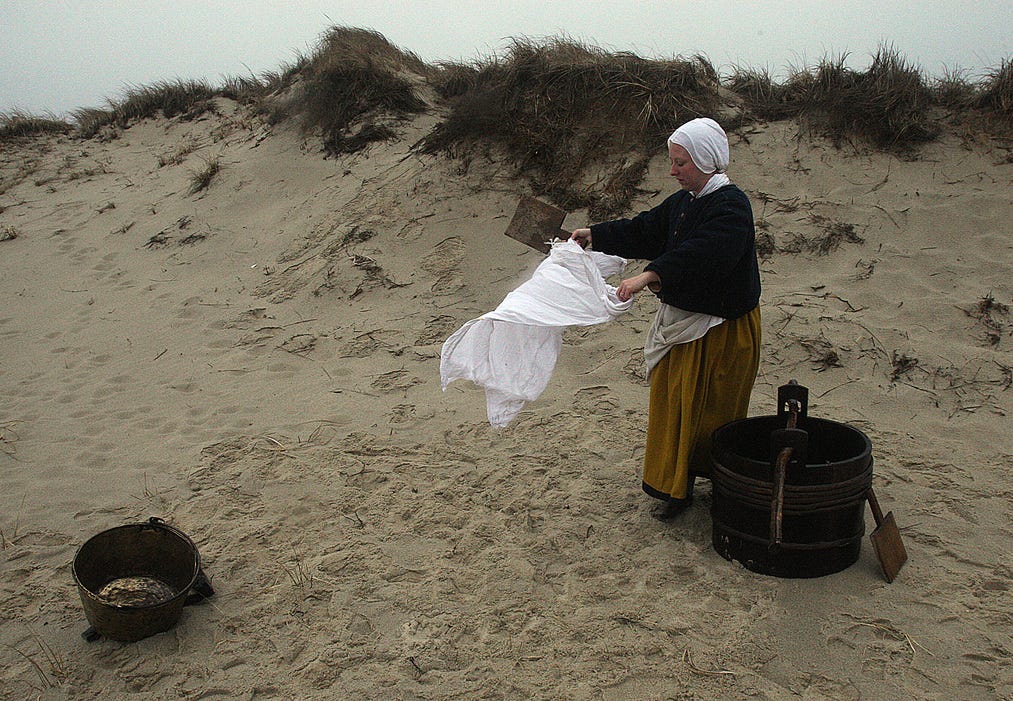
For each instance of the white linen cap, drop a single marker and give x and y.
(706, 143)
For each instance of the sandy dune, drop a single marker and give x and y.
(258, 363)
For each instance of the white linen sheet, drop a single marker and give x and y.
(512, 350)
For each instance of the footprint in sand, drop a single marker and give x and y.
(444, 263)
(300, 344)
(395, 381)
(437, 329)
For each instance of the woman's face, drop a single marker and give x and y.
(684, 169)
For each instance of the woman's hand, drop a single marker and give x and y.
(582, 237)
(632, 285)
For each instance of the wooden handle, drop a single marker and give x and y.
(877, 513)
(777, 500)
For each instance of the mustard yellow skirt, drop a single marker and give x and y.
(695, 389)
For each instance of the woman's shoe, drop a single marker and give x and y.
(672, 508)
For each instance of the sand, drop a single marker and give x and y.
(258, 364)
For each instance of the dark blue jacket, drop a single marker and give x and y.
(703, 249)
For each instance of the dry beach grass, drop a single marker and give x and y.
(251, 352)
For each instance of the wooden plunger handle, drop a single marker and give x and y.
(777, 504)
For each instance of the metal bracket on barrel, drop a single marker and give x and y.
(788, 446)
(792, 399)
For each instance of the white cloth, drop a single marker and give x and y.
(706, 143)
(512, 351)
(672, 326)
(717, 180)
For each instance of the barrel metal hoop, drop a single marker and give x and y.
(813, 497)
(839, 543)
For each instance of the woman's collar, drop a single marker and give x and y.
(717, 180)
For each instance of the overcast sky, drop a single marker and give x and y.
(59, 55)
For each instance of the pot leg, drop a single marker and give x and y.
(200, 591)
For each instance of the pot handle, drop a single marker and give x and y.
(201, 588)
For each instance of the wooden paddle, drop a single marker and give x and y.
(536, 223)
(886, 540)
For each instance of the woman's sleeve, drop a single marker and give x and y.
(642, 237)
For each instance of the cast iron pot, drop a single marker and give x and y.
(152, 549)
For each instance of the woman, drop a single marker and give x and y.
(703, 348)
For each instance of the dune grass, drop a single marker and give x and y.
(261, 93)
(249, 90)
(166, 98)
(19, 124)
(201, 178)
(353, 75)
(91, 120)
(996, 95)
(763, 98)
(954, 91)
(562, 112)
(356, 76)
(579, 122)
(886, 106)
(170, 98)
